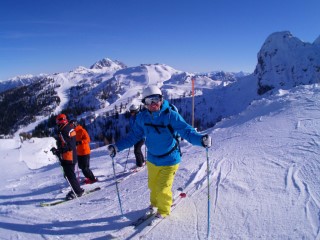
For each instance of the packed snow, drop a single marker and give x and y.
(263, 171)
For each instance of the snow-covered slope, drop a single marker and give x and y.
(264, 181)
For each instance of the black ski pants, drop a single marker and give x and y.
(84, 165)
(69, 173)
(138, 153)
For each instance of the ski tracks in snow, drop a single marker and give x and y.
(303, 188)
(219, 171)
(296, 184)
(303, 193)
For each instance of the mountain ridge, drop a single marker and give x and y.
(98, 95)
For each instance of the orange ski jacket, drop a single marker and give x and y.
(82, 140)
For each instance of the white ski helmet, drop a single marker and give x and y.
(151, 90)
(134, 108)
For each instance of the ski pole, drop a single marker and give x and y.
(125, 166)
(208, 172)
(64, 175)
(72, 188)
(145, 149)
(115, 179)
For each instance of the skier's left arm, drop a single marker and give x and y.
(69, 141)
(188, 132)
(85, 138)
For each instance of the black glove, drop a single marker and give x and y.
(78, 143)
(206, 141)
(66, 148)
(55, 151)
(112, 150)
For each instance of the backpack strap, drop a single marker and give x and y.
(166, 154)
(175, 136)
(155, 126)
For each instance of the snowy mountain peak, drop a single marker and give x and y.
(80, 69)
(19, 81)
(285, 61)
(107, 63)
(21, 77)
(282, 40)
(317, 41)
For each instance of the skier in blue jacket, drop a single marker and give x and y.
(159, 124)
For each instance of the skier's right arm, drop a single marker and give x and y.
(135, 135)
(55, 151)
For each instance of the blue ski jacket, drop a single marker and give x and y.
(132, 120)
(160, 141)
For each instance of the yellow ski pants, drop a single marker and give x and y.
(160, 180)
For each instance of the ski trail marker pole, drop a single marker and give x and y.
(115, 179)
(208, 178)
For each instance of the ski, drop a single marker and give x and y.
(137, 169)
(155, 221)
(183, 194)
(131, 173)
(133, 228)
(143, 218)
(53, 203)
(145, 223)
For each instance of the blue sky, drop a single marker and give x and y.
(46, 36)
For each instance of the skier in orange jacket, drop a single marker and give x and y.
(83, 152)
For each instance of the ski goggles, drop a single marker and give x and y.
(152, 99)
